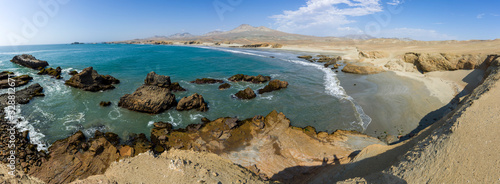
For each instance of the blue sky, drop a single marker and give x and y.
(64, 21)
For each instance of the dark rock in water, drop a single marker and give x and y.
(306, 57)
(105, 104)
(154, 96)
(174, 87)
(205, 120)
(29, 61)
(90, 80)
(18, 81)
(163, 81)
(207, 81)
(273, 85)
(247, 78)
(224, 86)
(52, 72)
(194, 101)
(153, 79)
(328, 60)
(246, 94)
(22, 96)
(73, 72)
(5, 75)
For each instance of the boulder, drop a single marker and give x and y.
(362, 69)
(90, 80)
(52, 72)
(194, 101)
(5, 75)
(105, 104)
(246, 94)
(207, 81)
(73, 72)
(29, 61)
(154, 96)
(273, 85)
(22, 96)
(247, 78)
(18, 81)
(163, 81)
(224, 86)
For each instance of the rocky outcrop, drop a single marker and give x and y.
(332, 61)
(153, 97)
(273, 85)
(268, 143)
(362, 69)
(52, 72)
(90, 80)
(194, 101)
(73, 72)
(246, 94)
(224, 86)
(257, 45)
(104, 104)
(247, 78)
(372, 54)
(77, 158)
(22, 96)
(5, 75)
(428, 62)
(17, 81)
(29, 61)
(327, 59)
(207, 81)
(26, 154)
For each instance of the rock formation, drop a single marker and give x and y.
(224, 86)
(5, 75)
(77, 158)
(207, 81)
(246, 94)
(90, 80)
(362, 69)
(18, 81)
(278, 144)
(51, 71)
(154, 96)
(273, 85)
(73, 72)
(372, 54)
(104, 104)
(247, 78)
(194, 101)
(428, 62)
(29, 61)
(26, 154)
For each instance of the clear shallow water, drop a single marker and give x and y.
(314, 96)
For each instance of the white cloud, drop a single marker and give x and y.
(416, 34)
(324, 17)
(480, 16)
(394, 2)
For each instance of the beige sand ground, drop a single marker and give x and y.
(174, 166)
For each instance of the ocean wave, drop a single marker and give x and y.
(333, 88)
(195, 116)
(235, 51)
(22, 125)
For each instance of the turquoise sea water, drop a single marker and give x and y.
(314, 95)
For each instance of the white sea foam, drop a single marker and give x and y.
(151, 123)
(332, 87)
(235, 51)
(115, 113)
(195, 116)
(270, 97)
(73, 118)
(22, 125)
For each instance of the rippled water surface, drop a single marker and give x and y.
(313, 96)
